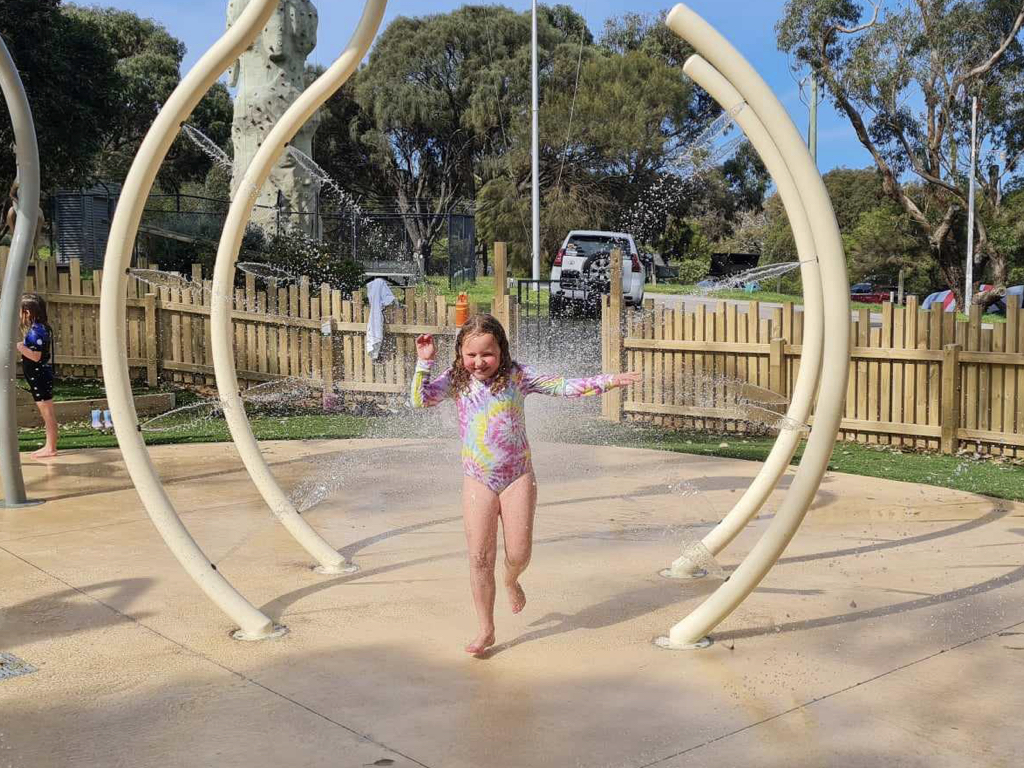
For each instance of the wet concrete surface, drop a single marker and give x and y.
(890, 634)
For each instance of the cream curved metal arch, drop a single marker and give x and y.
(330, 560)
(692, 630)
(806, 384)
(254, 625)
(22, 240)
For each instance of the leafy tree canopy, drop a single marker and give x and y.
(96, 79)
(69, 76)
(903, 74)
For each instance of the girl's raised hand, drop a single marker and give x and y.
(625, 379)
(425, 349)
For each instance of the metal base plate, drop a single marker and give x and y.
(19, 504)
(666, 573)
(279, 630)
(663, 642)
(335, 570)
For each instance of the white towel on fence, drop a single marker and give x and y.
(379, 293)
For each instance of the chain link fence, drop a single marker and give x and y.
(178, 226)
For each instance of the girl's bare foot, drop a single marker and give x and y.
(516, 596)
(44, 453)
(482, 642)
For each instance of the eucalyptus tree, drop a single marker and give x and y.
(429, 100)
(147, 68)
(904, 74)
(56, 55)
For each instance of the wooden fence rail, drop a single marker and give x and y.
(293, 330)
(921, 379)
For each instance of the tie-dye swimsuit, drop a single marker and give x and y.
(492, 425)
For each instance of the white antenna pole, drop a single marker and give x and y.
(535, 149)
(969, 281)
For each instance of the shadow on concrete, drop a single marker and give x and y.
(1014, 576)
(71, 611)
(624, 607)
(996, 514)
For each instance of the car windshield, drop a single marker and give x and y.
(585, 245)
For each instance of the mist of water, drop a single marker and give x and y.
(748, 277)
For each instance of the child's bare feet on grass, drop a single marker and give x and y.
(516, 596)
(44, 453)
(482, 642)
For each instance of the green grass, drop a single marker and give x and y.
(302, 427)
(85, 389)
(991, 477)
(481, 293)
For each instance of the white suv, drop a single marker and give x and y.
(581, 273)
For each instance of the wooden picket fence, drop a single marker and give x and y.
(920, 379)
(294, 330)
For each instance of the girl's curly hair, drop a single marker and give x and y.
(478, 325)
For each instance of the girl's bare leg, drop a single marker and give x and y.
(480, 515)
(50, 420)
(518, 504)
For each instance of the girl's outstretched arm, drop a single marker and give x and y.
(560, 386)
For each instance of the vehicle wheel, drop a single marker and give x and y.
(556, 307)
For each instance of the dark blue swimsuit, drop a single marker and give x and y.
(39, 375)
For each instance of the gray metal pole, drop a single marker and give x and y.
(969, 279)
(812, 129)
(535, 146)
(14, 278)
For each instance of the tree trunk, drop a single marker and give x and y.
(997, 266)
(952, 268)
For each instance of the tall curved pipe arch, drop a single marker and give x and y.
(253, 624)
(17, 265)
(806, 385)
(330, 560)
(692, 630)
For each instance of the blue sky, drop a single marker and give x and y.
(749, 24)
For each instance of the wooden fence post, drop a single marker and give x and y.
(152, 353)
(501, 301)
(950, 416)
(614, 330)
(329, 330)
(777, 366)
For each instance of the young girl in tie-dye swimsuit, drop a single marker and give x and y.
(490, 390)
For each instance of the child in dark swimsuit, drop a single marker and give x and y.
(489, 390)
(36, 363)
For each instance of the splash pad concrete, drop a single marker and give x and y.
(889, 634)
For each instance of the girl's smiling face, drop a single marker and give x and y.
(481, 356)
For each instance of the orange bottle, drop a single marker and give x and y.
(461, 310)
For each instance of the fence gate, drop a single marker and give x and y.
(555, 335)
